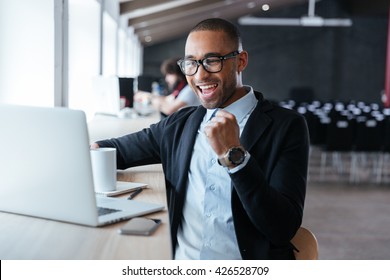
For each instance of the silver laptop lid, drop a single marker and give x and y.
(45, 167)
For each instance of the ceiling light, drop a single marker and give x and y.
(265, 7)
(310, 20)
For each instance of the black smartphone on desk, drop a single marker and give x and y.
(140, 226)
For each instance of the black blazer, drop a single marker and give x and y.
(268, 193)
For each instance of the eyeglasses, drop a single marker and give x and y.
(212, 64)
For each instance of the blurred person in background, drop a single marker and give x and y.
(179, 93)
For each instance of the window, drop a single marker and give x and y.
(29, 32)
(27, 52)
(84, 52)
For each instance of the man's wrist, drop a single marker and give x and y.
(233, 157)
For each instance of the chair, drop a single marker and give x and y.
(306, 245)
(367, 149)
(339, 140)
(384, 159)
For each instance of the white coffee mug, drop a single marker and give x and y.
(104, 169)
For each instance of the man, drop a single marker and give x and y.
(235, 180)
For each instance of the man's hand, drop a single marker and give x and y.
(222, 132)
(94, 146)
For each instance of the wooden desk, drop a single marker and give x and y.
(23, 237)
(103, 127)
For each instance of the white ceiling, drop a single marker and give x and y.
(155, 21)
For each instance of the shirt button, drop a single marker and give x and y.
(213, 161)
(208, 215)
(212, 188)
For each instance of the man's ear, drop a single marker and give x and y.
(242, 61)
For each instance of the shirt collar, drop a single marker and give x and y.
(240, 108)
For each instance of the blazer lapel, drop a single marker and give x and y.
(257, 123)
(188, 138)
(184, 152)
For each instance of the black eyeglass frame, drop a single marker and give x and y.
(200, 62)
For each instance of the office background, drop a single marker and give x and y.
(338, 63)
(91, 38)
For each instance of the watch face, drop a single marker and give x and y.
(236, 156)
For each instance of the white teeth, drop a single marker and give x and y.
(207, 86)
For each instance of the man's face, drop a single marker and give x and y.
(214, 90)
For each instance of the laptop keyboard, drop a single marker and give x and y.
(104, 211)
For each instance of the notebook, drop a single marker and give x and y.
(45, 169)
(122, 188)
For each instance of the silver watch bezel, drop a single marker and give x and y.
(226, 159)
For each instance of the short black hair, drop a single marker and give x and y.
(219, 24)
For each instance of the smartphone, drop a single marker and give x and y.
(140, 226)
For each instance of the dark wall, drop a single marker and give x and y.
(339, 63)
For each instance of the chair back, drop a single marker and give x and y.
(369, 135)
(340, 134)
(306, 244)
(386, 145)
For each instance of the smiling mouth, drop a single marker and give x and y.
(207, 89)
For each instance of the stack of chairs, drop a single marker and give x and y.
(338, 142)
(356, 135)
(367, 148)
(384, 163)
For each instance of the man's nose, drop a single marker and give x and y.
(201, 73)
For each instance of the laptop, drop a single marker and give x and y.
(45, 169)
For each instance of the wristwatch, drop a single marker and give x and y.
(234, 157)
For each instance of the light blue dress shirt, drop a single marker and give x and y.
(207, 229)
